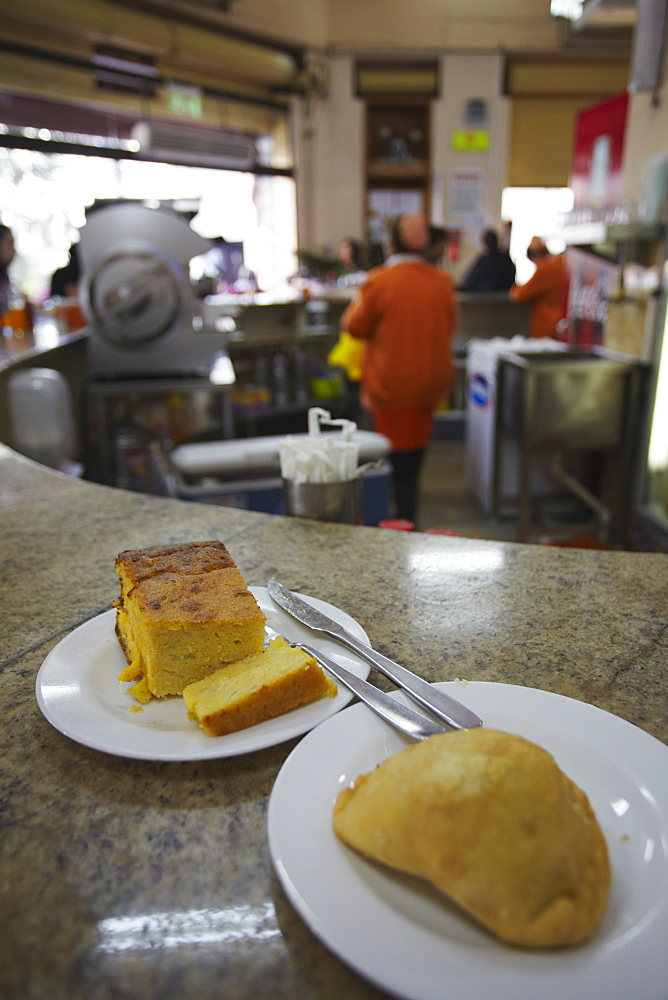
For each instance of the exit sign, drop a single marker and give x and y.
(184, 101)
(470, 140)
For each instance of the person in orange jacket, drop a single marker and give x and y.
(545, 289)
(407, 315)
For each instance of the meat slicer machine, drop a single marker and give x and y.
(158, 367)
(136, 294)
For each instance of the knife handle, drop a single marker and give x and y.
(392, 711)
(449, 709)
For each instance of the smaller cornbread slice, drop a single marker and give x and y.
(262, 686)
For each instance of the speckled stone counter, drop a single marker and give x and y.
(90, 841)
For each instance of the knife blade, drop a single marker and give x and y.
(419, 727)
(442, 705)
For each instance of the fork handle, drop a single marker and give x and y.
(398, 715)
(442, 705)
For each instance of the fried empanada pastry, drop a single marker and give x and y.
(492, 821)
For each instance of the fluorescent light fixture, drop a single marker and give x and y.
(73, 138)
(570, 9)
(125, 70)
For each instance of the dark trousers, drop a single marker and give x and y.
(406, 467)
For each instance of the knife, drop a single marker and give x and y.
(400, 716)
(435, 701)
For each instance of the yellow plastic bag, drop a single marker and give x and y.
(348, 354)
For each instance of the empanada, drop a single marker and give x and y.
(491, 820)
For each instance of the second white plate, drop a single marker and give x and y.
(79, 694)
(406, 937)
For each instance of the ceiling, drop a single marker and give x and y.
(221, 42)
(247, 55)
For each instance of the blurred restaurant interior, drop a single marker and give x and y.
(274, 728)
(194, 167)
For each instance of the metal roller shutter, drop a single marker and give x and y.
(545, 98)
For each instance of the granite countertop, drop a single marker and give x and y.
(103, 858)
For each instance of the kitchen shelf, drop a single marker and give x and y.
(636, 232)
(397, 166)
(397, 171)
(635, 241)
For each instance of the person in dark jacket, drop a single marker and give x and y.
(438, 244)
(493, 271)
(65, 281)
(7, 255)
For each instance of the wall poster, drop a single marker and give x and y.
(466, 195)
(384, 205)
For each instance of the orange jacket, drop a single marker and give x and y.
(546, 290)
(407, 314)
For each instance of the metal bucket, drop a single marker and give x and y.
(339, 501)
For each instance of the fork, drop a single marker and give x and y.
(417, 726)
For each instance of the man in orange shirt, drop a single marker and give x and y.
(407, 315)
(545, 290)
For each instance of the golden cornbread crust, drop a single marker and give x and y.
(490, 820)
(184, 610)
(185, 558)
(172, 597)
(260, 687)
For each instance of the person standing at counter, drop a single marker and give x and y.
(407, 315)
(545, 289)
(349, 255)
(492, 271)
(7, 255)
(65, 280)
(438, 244)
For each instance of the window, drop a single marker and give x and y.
(43, 198)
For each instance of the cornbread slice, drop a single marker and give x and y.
(491, 820)
(184, 610)
(262, 686)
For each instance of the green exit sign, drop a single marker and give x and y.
(184, 101)
(470, 140)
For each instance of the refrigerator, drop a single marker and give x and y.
(486, 456)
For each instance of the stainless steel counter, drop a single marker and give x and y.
(484, 315)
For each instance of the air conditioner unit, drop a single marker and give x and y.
(203, 149)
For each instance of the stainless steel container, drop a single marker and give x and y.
(584, 402)
(574, 399)
(339, 501)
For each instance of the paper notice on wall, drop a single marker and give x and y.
(385, 205)
(466, 195)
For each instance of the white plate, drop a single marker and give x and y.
(78, 692)
(406, 938)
